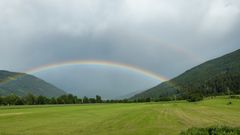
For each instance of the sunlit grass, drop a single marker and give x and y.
(165, 118)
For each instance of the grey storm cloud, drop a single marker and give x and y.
(165, 37)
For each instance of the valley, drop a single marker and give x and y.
(154, 118)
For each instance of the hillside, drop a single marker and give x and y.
(214, 77)
(22, 84)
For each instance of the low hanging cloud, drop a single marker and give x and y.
(165, 37)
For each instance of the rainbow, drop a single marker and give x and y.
(95, 62)
(135, 69)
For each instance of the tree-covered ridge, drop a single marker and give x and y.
(22, 84)
(214, 77)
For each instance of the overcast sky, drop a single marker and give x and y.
(166, 37)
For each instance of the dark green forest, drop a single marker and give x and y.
(219, 76)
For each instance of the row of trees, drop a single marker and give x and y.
(30, 99)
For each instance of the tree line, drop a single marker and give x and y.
(30, 99)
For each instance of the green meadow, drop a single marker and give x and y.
(161, 118)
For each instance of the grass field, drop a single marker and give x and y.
(163, 118)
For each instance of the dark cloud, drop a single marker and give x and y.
(165, 37)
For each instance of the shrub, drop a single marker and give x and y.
(229, 103)
(234, 96)
(212, 131)
(165, 99)
(195, 98)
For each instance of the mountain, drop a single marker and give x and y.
(22, 84)
(214, 77)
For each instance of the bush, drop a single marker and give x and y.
(234, 96)
(165, 99)
(195, 98)
(229, 103)
(212, 131)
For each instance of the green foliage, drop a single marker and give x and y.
(52, 100)
(212, 131)
(215, 77)
(85, 99)
(92, 100)
(98, 99)
(162, 98)
(194, 97)
(21, 84)
(30, 99)
(229, 103)
(234, 96)
(163, 118)
(1, 100)
(225, 83)
(41, 100)
(148, 99)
